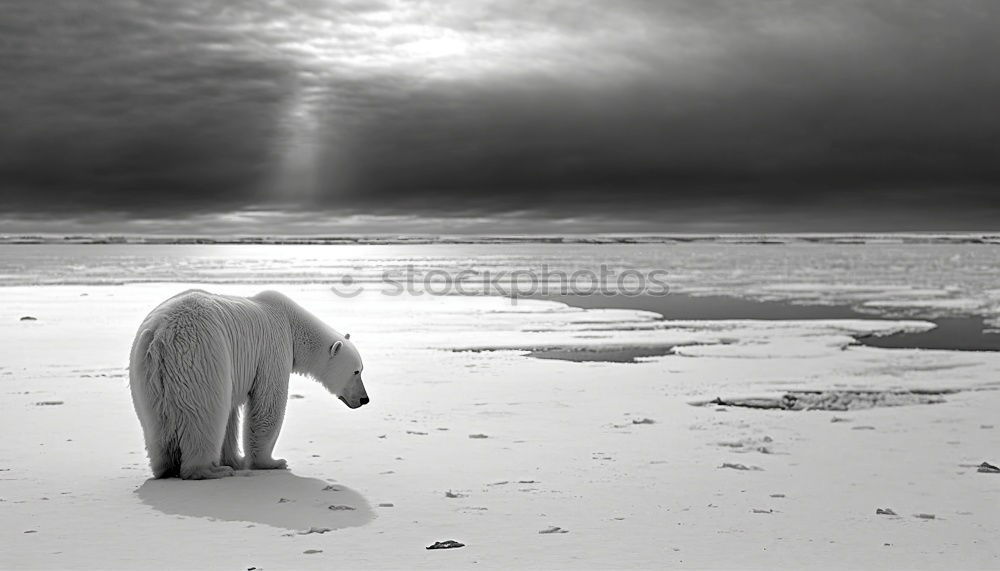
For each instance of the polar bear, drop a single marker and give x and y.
(198, 357)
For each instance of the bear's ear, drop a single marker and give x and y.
(347, 336)
(335, 348)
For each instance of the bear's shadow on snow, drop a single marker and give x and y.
(276, 498)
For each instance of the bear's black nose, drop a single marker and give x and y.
(364, 400)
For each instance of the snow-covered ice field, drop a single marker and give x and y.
(469, 439)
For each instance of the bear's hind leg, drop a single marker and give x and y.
(201, 442)
(164, 454)
(200, 458)
(164, 459)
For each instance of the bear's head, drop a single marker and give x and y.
(342, 374)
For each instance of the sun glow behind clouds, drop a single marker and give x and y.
(454, 45)
(325, 48)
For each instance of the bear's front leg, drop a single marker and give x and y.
(265, 413)
(230, 446)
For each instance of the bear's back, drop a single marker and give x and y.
(199, 310)
(239, 330)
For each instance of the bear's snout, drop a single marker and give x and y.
(354, 394)
(354, 403)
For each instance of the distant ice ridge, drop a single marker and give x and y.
(778, 238)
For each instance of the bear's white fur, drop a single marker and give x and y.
(198, 357)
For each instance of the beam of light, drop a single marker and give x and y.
(297, 178)
(324, 49)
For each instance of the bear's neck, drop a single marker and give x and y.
(310, 340)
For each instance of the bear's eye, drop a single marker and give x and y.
(357, 372)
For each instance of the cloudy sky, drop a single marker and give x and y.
(313, 116)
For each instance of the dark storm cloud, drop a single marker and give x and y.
(781, 105)
(642, 109)
(124, 105)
